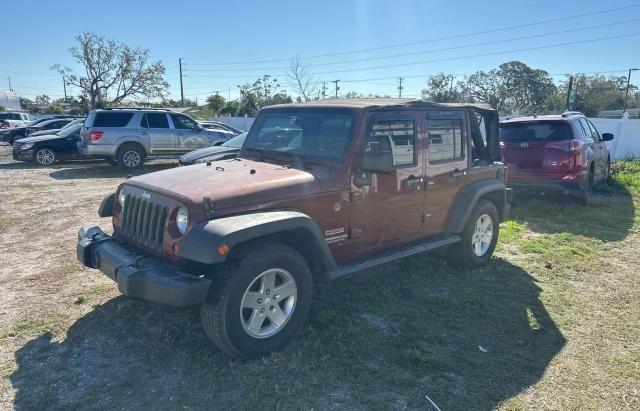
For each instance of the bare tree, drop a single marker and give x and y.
(114, 69)
(301, 78)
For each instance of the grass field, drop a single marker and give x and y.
(550, 323)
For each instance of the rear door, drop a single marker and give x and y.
(189, 135)
(600, 151)
(154, 127)
(446, 165)
(536, 149)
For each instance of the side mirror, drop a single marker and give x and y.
(377, 161)
(607, 137)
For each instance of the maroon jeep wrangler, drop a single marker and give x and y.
(325, 188)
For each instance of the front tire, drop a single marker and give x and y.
(479, 237)
(45, 156)
(260, 302)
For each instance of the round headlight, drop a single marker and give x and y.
(182, 220)
(121, 199)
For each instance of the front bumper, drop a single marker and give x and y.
(138, 274)
(22, 155)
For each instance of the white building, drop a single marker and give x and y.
(9, 100)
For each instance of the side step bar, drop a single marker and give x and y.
(403, 252)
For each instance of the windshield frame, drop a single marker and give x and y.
(276, 154)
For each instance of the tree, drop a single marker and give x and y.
(215, 102)
(114, 71)
(43, 100)
(260, 93)
(2, 109)
(301, 79)
(440, 89)
(513, 87)
(231, 108)
(54, 108)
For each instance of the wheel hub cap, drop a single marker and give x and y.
(45, 157)
(482, 235)
(268, 303)
(131, 158)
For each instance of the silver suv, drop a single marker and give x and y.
(126, 137)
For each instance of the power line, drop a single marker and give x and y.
(412, 43)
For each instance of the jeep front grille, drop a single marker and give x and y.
(143, 221)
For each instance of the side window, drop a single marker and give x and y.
(397, 136)
(594, 132)
(446, 139)
(111, 119)
(155, 120)
(181, 122)
(585, 132)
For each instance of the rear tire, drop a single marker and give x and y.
(587, 194)
(130, 156)
(260, 302)
(479, 237)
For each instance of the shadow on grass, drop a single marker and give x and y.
(380, 340)
(610, 216)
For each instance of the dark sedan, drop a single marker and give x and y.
(56, 130)
(46, 150)
(225, 151)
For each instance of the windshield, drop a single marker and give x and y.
(69, 129)
(321, 133)
(535, 131)
(236, 142)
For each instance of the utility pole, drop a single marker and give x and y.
(64, 86)
(400, 79)
(337, 88)
(324, 90)
(571, 95)
(10, 89)
(181, 88)
(626, 95)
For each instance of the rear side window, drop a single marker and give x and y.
(111, 119)
(447, 134)
(535, 131)
(155, 120)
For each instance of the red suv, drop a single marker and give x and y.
(562, 153)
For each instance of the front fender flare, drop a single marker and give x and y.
(201, 242)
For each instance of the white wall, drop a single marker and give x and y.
(243, 123)
(626, 133)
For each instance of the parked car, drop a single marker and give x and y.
(47, 149)
(245, 238)
(15, 133)
(224, 151)
(557, 153)
(55, 130)
(220, 125)
(10, 119)
(129, 136)
(50, 125)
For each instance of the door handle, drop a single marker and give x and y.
(457, 173)
(143, 133)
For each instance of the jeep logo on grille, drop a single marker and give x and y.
(524, 144)
(146, 195)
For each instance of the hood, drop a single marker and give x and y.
(231, 183)
(206, 152)
(44, 132)
(36, 139)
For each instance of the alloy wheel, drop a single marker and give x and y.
(131, 159)
(45, 157)
(268, 303)
(482, 235)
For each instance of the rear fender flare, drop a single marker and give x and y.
(202, 241)
(467, 199)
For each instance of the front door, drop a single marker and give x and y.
(446, 165)
(599, 151)
(154, 129)
(190, 135)
(386, 208)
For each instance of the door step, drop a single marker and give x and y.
(396, 254)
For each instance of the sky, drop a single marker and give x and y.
(366, 44)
